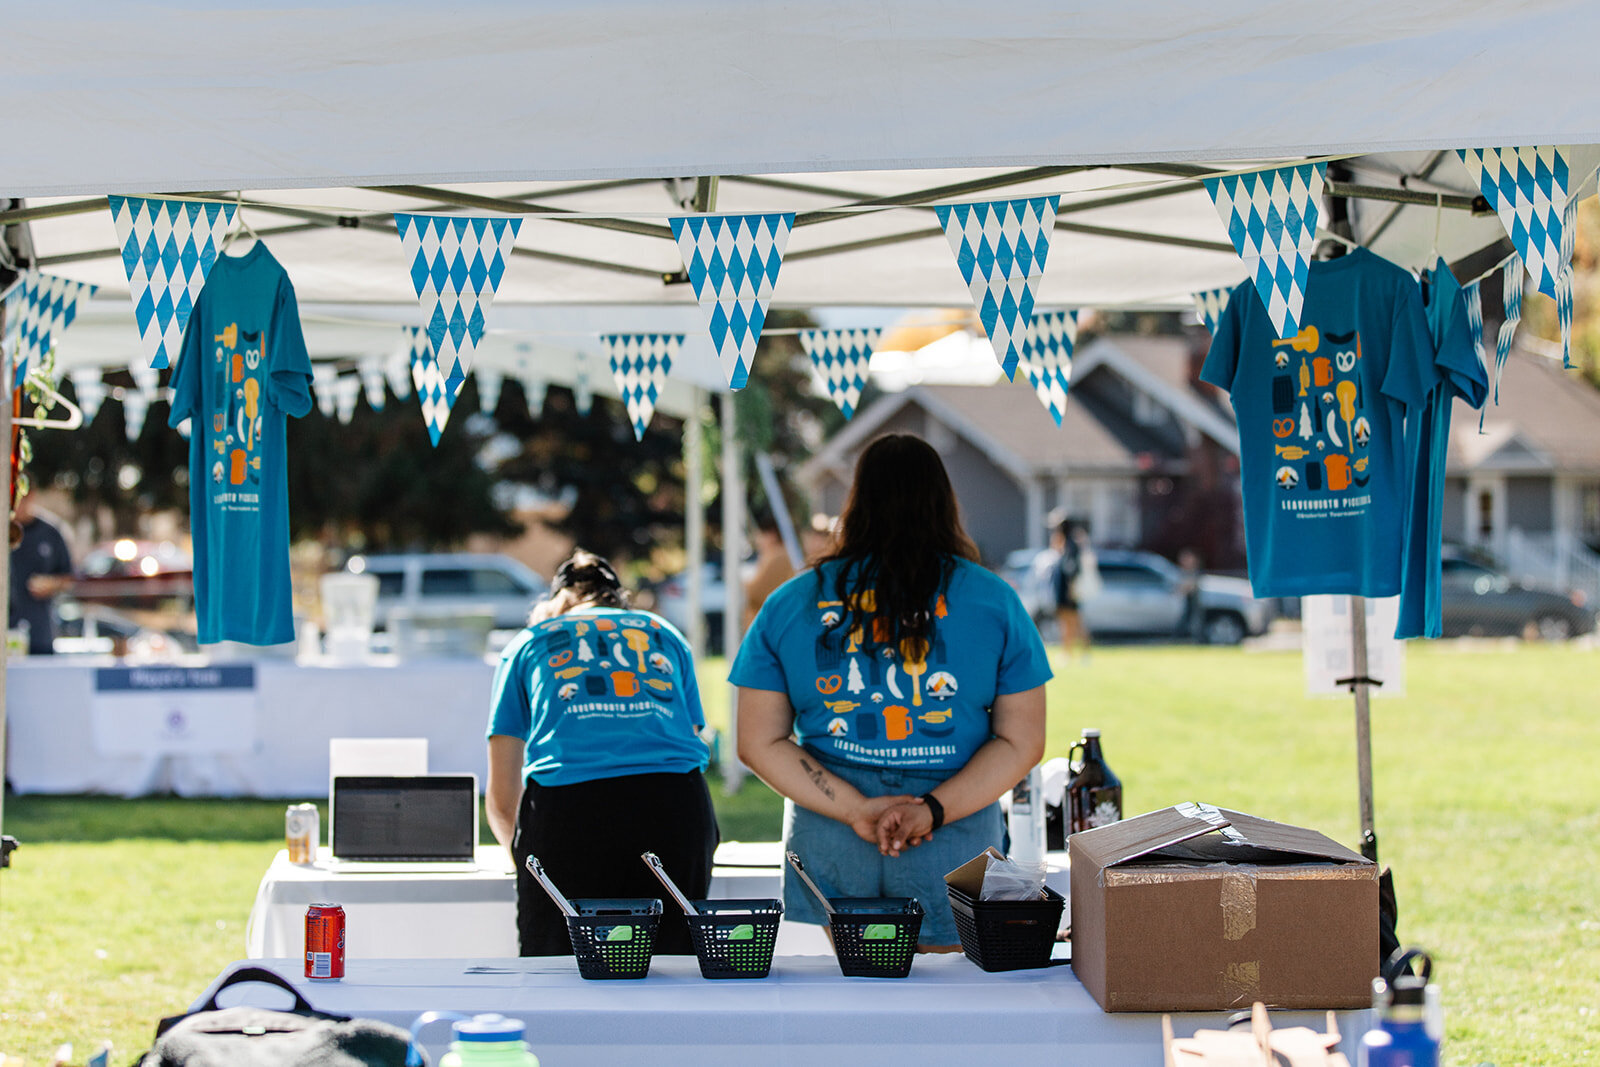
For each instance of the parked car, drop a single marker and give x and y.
(672, 602)
(1477, 600)
(1140, 596)
(93, 629)
(452, 581)
(134, 574)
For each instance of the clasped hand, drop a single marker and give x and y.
(893, 823)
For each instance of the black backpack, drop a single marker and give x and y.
(260, 1037)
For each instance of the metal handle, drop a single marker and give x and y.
(536, 869)
(799, 868)
(653, 861)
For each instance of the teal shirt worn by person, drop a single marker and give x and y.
(600, 693)
(1323, 463)
(1459, 372)
(243, 367)
(872, 704)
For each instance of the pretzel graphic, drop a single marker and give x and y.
(1283, 427)
(829, 685)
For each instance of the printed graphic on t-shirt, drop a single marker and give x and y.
(881, 691)
(1319, 423)
(608, 667)
(234, 427)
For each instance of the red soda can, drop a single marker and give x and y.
(325, 942)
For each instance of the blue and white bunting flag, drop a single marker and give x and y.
(1047, 358)
(640, 362)
(1209, 305)
(490, 382)
(433, 392)
(733, 263)
(148, 380)
(1511, 305)
(534, 389)
(135, 406)
(168, 248)
(456, 263)
(582, 391)
(40, 308)
(347, 390)
(1472, 295)
(324, 378)
(1000, 248)
(90, 391)
(841, 359)
(372, 382)
(1271, 217)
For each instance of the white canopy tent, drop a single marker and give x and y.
(599, 119)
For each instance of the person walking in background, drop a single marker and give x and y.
(41, 570)
(1075, 562)
(892, 693)
(1189, 586)
(773, 567)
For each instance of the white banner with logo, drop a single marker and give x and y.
(174, 711)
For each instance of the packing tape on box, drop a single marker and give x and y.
(1241, 982)
(1238, 904)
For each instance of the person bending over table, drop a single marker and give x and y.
(893, 693)
(595, 757)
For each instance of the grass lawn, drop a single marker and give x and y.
(117, 912)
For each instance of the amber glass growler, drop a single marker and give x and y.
(1094, 793)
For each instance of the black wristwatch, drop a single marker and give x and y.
(935, 807)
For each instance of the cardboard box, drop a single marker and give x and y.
(1196, 908)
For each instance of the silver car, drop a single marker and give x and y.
(428, 582)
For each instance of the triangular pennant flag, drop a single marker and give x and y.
(135, 406)
(1000, 248)
(1209, 305)
(1047, 358)
(456, 264)
(1569, 227)
(147, 380)
(490, 383)
(841, 358)
(1473, 297)
(90, 390)
(323, 379)
(582, 391)
(534, 389)
(733, 262)
(1511, 318)
(640, 363)
(372, 382)
(41, 307)
(1271, 217)
(397, 368)
(346, 391)
(433, 393)
(1527, 188)
(168, 247)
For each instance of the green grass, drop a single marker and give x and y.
(118, 912)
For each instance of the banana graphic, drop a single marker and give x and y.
(1333, 428)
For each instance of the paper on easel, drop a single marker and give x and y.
(1328, 652)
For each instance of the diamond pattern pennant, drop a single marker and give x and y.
(1271, 217)
(534, 389)
(841, 358)
(135, 406)
(582, 391)
(1511, 295)
(1474, 300)
(456, 262)
(372, 382)
(640, 363)
(39, 308)
(433, 392)
(324, 378)
(733, 263)
(1209, 305)
(1000, 248)
(90, 390)
(346, 391)
(490, 382)
(1569, 226)
(1527, 188)
(168, 248)
(1047, 358)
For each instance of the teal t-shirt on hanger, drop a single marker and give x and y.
(243, 367)
(1323, 461)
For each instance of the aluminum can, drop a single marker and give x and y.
(302, 833)
(325, 942)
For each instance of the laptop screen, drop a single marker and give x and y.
(433, 817)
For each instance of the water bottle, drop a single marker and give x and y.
(1403, 1036)
(480, 1041)
(1025, 823)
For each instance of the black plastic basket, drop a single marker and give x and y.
(614, 938)
(1007, 935)
(735, 938)
(875, 937)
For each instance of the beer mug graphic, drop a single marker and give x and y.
(626, 683)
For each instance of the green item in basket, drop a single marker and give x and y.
(620, 933)
(878, 932)
(742, 932)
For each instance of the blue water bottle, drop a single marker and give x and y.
(1405, 1035)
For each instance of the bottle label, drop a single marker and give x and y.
(1105, 807)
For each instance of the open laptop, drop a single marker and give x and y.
(385, 824)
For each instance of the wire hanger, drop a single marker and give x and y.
(72, 420)
(1438, 220)
(240, 226)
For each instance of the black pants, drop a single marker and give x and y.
(589, 836)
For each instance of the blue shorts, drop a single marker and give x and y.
(845, 865)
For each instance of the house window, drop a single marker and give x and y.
(1589, 511)
(1485, 514)
(1146, 411)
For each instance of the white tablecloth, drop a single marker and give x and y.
(52, 747)
(805, 1014)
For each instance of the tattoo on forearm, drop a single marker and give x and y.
(818, 778)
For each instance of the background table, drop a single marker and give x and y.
(804, 1014)
(52, 745)
(423, 914)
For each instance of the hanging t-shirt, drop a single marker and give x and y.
(1322, 452)
(600, 693)
(876, 704)
(243, 367)
(1459, 372)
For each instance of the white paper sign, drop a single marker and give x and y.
(174, 711)
(1325, 630)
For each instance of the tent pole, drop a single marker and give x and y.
(5, 563)
(733, 506)
(694, 523)
(1362, 690)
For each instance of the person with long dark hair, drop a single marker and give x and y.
(594, 756)
(892, 693)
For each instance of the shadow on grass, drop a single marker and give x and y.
(755, 813)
